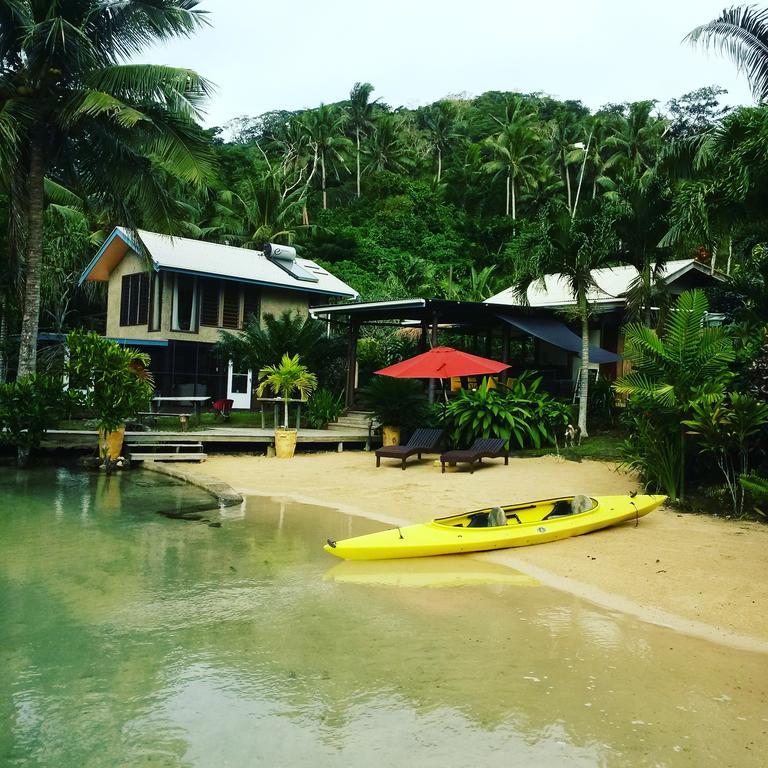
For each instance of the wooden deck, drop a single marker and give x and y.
(241, 436)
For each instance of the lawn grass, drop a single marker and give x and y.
(599, 447)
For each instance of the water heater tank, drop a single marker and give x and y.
(276, 251)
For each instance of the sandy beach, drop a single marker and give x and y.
(698, 574)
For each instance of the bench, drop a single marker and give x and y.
(162, 451)
(152, 416)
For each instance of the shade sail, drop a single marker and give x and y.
(443, 363)
(559, 335)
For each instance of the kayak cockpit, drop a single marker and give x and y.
(518, 514)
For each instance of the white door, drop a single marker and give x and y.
(239, 387)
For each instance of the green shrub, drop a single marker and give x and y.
(29, 407)
(396, 402)
(323, 408)
(112, 380)
(519, 413)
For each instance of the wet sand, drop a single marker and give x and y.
(698, 574)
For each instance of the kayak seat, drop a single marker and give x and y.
(479, 520)
(561, 508)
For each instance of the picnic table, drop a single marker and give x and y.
(196, 401)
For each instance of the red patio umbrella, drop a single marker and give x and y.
(443, 363)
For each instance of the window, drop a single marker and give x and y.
(134, 299)
(155, 301)
(250, 303)
(185, 304)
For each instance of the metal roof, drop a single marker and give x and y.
(612, 285)
(182, 254)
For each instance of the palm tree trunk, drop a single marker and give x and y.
(286, 410)
(647, 278)
(357, 136)
(439, 164)
(507, 208)
(567, 183)
(730, 257)
(584, 383)
(514, 201)
(322, 168)
(30, 318)
(3, 339)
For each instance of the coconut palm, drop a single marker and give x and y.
(360, 118)
(634, 138)
(287, 378)
(514, 150)
(741, 33)
(70, 107)
(563, 133)
(325, 128)
(385, 149)
(439, 122)
(571, 248)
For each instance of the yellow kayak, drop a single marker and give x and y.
(516, 525)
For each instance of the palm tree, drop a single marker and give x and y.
(385, 149)
(324, 126)
(741, 33)
(563, 134)
(360, 118)
(514, 150)
(69, 106)
(439, 121)
(635, 138)
(287, 378)
(572, 248)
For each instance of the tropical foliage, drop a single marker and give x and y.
(520, 414)
(671, 374)
(29, 407)
(109, 380)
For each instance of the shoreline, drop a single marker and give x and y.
(727, 608)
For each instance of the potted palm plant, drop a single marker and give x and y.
(113, 381)
(284, 380)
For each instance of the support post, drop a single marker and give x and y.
(505, 339)
(433, 344)
(354, 329)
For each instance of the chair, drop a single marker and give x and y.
(223, 408)
(422, 441)
(483, 448)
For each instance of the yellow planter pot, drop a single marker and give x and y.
(390, 435)
(111, 443)
(285, 443)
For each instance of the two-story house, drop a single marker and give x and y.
(171, 296)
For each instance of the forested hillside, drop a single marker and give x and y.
(450, 200)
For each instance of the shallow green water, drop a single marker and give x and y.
(128, 638)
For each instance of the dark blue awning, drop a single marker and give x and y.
(559, 335)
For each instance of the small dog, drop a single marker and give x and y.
(572, 435)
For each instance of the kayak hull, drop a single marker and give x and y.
(527, 525)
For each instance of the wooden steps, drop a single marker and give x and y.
(166, 451)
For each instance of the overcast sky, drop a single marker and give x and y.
(299, 53)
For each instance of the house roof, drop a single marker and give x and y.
(612, 284)
(182, 254)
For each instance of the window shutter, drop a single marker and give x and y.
(142, 298)
(209, 303)
(230, 315)
(125, 298)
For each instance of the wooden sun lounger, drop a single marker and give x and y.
(483, 448)
(422, 441)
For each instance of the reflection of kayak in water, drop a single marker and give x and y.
(516, 525)
(427, 572)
